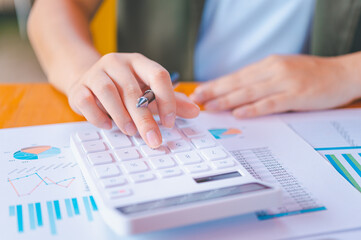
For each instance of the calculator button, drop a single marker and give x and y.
(224, 163)
(172, 172)
(179, 146)
(117, 139)
(135, 166)
(181, 122)
(88, 136)
(162, 162)
(192, 132)
(119, 193)
(100, 158)
(150, 152)
(169, 134)
(113, 182)
(137, 139)
(142, 177)
(203, 142)
(214, 153)
(197, 168)
(105, 171)
(94, 146)
(127, 154)
(188, 158)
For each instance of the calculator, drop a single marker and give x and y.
(190, 178)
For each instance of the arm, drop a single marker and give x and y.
(285, 83)
(59, 33)
(100, 85)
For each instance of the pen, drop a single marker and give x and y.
(149, 96)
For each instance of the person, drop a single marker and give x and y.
(262, 57)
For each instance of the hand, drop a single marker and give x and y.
(283, 83)
(111, 87)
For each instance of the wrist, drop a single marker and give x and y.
(350, 73)
(67, 71)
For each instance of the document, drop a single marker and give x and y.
(45, 196)
(336, 135)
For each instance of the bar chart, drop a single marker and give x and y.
(32, 216)
(346, 161)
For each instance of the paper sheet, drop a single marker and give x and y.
(336, 135)
(44, 194)
(313, 200)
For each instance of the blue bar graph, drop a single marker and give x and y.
(19, 214)
(11, 211)
(75, 206)
(55, 212)
(31, 215)
(51, 217)
(38, 214)
(353, 163)
(57, 209)
(87, 208)
(69, 209)
(94, 205)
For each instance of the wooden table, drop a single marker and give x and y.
(39, 103)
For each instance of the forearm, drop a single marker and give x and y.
(59, 33)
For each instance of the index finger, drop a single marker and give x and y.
(158, 79)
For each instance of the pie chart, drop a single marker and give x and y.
(219, 133)
(36, 152)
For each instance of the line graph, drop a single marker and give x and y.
(35, 182)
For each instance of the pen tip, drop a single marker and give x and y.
(142, 102)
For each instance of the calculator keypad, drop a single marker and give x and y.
(105, 171)
(100, 158)
(113, 182)
(119, 161)
(127, 154)
(162, 162)
(135, 166)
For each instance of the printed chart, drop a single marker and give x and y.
(27, 184)
(36, 152)
(263, 165)
(347, 161)
(35, 215)
(337, 137)
(221, 133)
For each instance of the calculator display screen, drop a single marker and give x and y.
(191, 198)
(217, 177)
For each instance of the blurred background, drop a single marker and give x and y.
(18, 62)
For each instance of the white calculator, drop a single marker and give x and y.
(191, 178)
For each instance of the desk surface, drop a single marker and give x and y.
(39, 103)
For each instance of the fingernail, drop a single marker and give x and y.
(153, 139)
(130, 129)
(212, 105)
(168, 120)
